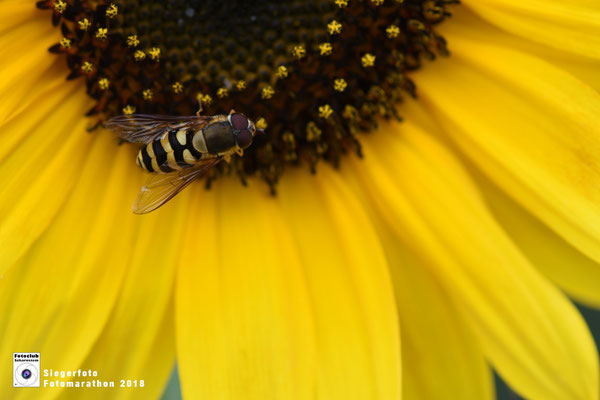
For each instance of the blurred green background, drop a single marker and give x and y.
(503, 392)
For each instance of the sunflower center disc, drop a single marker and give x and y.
(314, 73)
(225, 41)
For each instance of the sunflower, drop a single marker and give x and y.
(416, 259)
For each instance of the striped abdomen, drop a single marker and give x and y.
(174, 151)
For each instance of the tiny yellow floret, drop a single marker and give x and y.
(325, 111)
(282, 72)
(60, 6)
(132, 41)
(334, 27)
(101, 33)
(84, 24)
(267, 92)
(341, 3)
(147, 94)
(139, 55)
(350, 113)
(65, 43)
(368, 60)
(240, 85)
(103, 83)
(392, 31)
(112, 11)
(87, 67)
(261, 123)
(177, 87)
(312, 132)
(154, 53)
(377, 2)
(325, 48)
(299, 52)
(206, 99)
(340, 85)
(128, 110)
(222, 92)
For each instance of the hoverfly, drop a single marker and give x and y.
(178, 150)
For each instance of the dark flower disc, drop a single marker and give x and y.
(312, 73)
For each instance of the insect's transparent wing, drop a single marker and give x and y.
(161, 188)
(142, 128)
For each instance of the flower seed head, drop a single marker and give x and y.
(315, 72)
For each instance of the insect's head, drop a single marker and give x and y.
(243, 129)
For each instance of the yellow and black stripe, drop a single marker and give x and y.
(174, 151)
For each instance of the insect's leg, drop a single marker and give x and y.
(240, 152)
(227, 158)
(199, 107)
(232, 111)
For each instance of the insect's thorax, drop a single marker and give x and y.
(218, 136)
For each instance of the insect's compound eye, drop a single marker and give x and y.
(244, 138)
(239, 122)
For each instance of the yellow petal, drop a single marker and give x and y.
(578, 275)
(14, 13)
(466, 23)
(572, 26)
(529, 331)
(41, 155)
(440, 354)
(533, 129)
(566, 266)
(441, 357)
(584, 69)
(24, 51)
(267, 310)
(242, 329)
(346, 270)
(35, 89)
(138, 342)
(69, 280)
